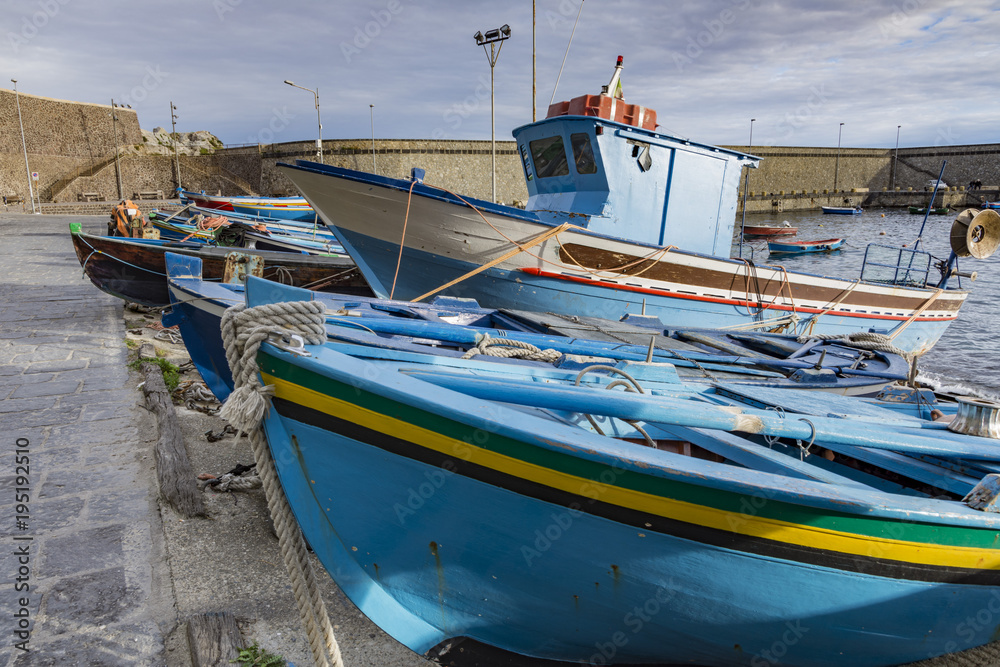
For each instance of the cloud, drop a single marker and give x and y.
(799, 67)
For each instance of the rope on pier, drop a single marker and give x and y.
(243, 330)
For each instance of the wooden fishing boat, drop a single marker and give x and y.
(287, 208)
(486, 512)
(135, 269)
(769, 230)
(798, 247)
(842, 210)
(457, 324)
(244, 234)
(616, 222)
(941, 210)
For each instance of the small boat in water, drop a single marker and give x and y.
(491, 512)
(790, 247)
(941, 210)
(842, 210)
(769, 230)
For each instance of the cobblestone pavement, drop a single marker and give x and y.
(111, 576)
(82, 566)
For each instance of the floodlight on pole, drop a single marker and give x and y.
(836, 169)
(493, 37)
(895, 158)
(319, 123)
(24, 145)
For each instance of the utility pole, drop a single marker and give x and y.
(118, 168)
(173, 135)
(24, 145)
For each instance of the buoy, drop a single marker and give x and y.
(883, 215)
(881, 233)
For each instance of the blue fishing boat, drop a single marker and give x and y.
(285, 208)
(494, 512)
(799, 247)
(621, 218)
(842, 210)
(456, 326)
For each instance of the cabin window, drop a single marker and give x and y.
(549, 155)
(583, 153)
(527, 164)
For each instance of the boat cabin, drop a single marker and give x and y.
(602, 163)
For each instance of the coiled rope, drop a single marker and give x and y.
(243, 330)
(863, 340)
(511, 349)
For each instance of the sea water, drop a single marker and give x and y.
(967, 358)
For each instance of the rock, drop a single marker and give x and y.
(159, 142)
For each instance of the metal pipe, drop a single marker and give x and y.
(24, 145)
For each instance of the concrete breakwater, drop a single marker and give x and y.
(72, 148)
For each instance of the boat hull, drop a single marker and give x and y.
(840, 210)
(569, 273)
(455, 536)
(799, 247)
(135, 269)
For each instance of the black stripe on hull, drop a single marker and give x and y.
(644, 521)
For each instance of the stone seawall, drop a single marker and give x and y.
(72, 147)
(61, 138)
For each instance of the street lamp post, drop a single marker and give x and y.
(895, 158)
(319, 123)
(493, 37)
(836, 169)
(24, 145)
(118, 168)
(372, 108)
(746, 186)
(173, 135)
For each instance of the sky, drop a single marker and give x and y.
(799, 68)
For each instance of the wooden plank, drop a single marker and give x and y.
(173, 469)
(214, 639)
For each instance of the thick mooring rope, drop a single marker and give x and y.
(511, 349)
(243, 330)
(863, 340)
